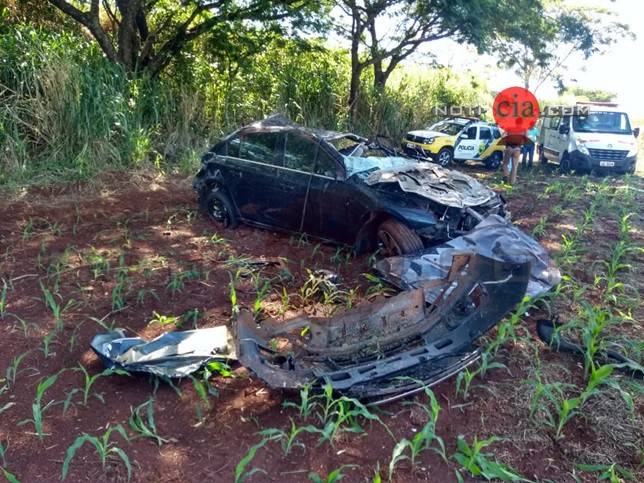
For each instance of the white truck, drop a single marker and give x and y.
(592, 136)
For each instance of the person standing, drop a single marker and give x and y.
(528, 148)
(513, 145)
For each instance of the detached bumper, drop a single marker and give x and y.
(374, 350)
(585, 161)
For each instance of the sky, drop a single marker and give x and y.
(620, 70)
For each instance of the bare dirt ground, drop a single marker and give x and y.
(133, 253)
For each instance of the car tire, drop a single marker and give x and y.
(564, 165)
(395, 238)
(494, 160)
(542, 157)
(220, 209)
(444, 157)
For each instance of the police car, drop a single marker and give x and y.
(456, 138)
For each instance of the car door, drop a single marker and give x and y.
(560, 141)
(466, 145)
(327, 206)
(551, 127)
(485, 141)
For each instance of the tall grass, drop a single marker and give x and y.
(66, 112)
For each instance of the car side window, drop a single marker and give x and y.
(486, 133)
(496, 132)
(299, 153)
(325, 166)
(471, 132)
(554, 123)
(259, 147)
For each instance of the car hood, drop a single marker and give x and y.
(451, 188)
(428, 134)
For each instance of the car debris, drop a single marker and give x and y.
(367, 352)
(549, 331)
(494, 237)
(173, 354)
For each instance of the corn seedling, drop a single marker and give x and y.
(234, 307)
(89, 382)
(56, 309)
(540, 229)
(483, 465)
(334, 476)
(288, 439)
(190, 318)
(422, 440)
(37, 408)
(240, 474)
(3, 299)
(104, 447)
(9, 476)
(465, 377)
(612, 473)
(145, 426)
(140, 297)
(13, 370)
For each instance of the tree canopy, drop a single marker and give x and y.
(145, 36)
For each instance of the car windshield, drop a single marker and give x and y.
(606, 122)
(355, 164)
(449, 128)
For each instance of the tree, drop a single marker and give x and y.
(593, 95)
(539, 46)
(383, 33)
(147, 35)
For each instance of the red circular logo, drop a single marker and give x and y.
(515, 110)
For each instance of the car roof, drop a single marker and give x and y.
(280, 120)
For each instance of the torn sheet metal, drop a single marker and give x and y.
(494, 237)
(364, 352)
(173, 354)
(451, 188)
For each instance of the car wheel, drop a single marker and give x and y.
(493, 161)
(564, 165)
(220, 208)
(542, 157)
(394, 238)
(444, 157)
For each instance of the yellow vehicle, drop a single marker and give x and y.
(456, 138)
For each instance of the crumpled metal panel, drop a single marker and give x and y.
(173, 354)
(451, 188)
(364, 353)
(494, 237)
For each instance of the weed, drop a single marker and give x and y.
(163, 320)
(104, 447)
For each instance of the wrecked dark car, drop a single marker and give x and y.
(337, 187)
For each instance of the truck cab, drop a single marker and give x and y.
(596, 137)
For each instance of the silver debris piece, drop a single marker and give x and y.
(173, 354)
(494, 237)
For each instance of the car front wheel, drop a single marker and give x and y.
(444, 157)
(494, 160)
(394, 238)
(220, 208)
(564, 165)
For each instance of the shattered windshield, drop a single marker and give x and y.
(604, 122)
(449, 128)
(355, 164)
